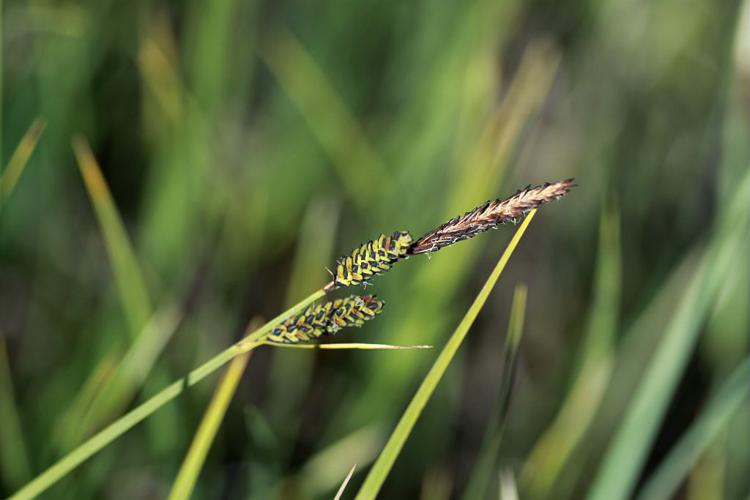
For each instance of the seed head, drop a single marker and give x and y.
(489, 216)
(348, 312)
(328, 318)
(370, 259)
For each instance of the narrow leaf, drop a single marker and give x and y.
(628, 452)
(20, 159)
(385, 461)
(149, 331)
(130, 283)
(14, 456)
(482, 471)
(556, 445)
(704, 431)
(196, 456)
(123, 424)
(131, 372)
(340, 134)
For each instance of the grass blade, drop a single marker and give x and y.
(68, 427)
(337, 130)
(14, 457)
(204, 437)
(163, 90)
(116, 429)
(340, 492)
(130, 283)
(120, 426)
(480, 475)
(487, 158)
(129, 374)
(313, 252)
(20, 159)
(488, 155)
(676, 466)
(708, 477)
(624, 459)
(561, 438)
(149, 332)
(388, 456)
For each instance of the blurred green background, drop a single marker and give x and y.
(247, 144)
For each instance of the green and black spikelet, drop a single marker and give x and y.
(354, 311)
(328, 318)
(370, 259)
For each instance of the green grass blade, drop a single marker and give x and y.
(120, 426)
(388, 456)
(116, 429)
(315, 244)
(130, 283)
(14, 457)
(625, 457)
(20, 159)
(488, 155)
(341, 136)
(704, 431)
(708, 477)
(487, 159)
(163, 90)
(68, 425)
(209, 43)
(149, 336)
(480, 474)
(130, 373)
(315, 240)
(204, 437)
(558, 442)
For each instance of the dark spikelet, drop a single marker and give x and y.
(490, 215)
(370, 259)
(328, 318)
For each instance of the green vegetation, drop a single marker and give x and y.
(171, 171)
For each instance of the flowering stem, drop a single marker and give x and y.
(117, 428)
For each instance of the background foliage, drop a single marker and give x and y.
(239, 147)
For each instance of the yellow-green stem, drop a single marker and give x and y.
(129, 420)
(387, 458)
(204, 437)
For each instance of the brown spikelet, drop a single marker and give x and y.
(489, 216)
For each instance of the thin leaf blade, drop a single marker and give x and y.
(387, 458)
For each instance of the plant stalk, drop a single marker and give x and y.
(117, 428)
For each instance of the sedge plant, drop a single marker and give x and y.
(304, 322)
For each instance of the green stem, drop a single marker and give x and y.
(490, 449)
(387, 458)
(204, 437)
(129, 420)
